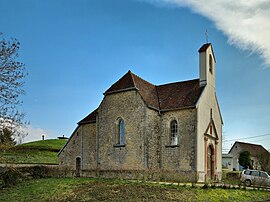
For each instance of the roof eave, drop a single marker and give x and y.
(86, 122)
(68, 141)
(121, 90)
(178, 108)
(219, 110)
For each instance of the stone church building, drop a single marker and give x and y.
(139, 127)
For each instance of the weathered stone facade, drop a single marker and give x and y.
(149, 143)
(181, 157)
(130, 107)
(80, 146)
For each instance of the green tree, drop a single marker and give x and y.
(244, 159)
(12, 74)
(6, 139)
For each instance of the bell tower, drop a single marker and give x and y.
(207, 64)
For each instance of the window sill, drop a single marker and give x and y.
(119, 145)
(171, 146)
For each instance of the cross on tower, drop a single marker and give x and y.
(206, 36)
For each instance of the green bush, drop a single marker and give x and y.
(233, 175)
(11, 176)
(39, 171)
(43, 171)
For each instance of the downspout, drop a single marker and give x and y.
(145, 141)
(195, 166)
(160, 139)
(97, 142)
(82, 149)
(160, 131)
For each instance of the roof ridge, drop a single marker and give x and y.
(131, 74)
(126, 82)
(249, 143)
(158, 99)
(140, 78)
(176, 82)
(167, 96)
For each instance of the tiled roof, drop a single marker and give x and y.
(162, 97)
(253, 149)
(179, 95)
(124, 83)
(147, 90)
(90, 118)
(159, 97)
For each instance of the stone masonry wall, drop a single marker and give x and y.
(130, 107)
(89, 146)
(142, 151)
(81, 144)
(181, 157)
(152, 139)
(72, 150)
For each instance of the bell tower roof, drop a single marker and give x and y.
(205, 47)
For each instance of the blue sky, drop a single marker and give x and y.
(74, 51)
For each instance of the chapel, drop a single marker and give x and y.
(174, 129)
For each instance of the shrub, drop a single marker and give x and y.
(205, 186)
(233, 175)
(39, 171)
(11, 176)
(48, 171)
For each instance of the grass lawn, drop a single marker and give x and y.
(40, 152)
(53, 145)
(85, 189)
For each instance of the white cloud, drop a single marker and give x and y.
(34, 134)
(245, 23)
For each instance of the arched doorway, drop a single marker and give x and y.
(78, 167)
(211, 162)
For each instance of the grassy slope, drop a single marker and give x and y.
(53, 144)
(43, 151)
(83, 189)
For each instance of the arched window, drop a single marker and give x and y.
(120, 132)
(173, 133)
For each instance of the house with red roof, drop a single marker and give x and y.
(172, 130)
(254, 150)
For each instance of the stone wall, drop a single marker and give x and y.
(130, 107)
(147, 147)
(182, 156)
(89, 146)
(72, 150)
(152, 142)
(82, 143)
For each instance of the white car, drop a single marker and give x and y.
(255, 177)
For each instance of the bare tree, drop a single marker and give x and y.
(12, 74)
(264, 161)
